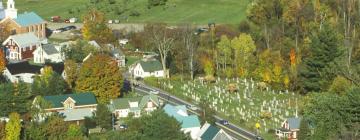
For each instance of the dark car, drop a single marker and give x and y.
(224, 122)
(67, 28)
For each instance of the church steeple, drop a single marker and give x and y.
(11, 11)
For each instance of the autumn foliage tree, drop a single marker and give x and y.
(13, 127)
(2, 60)
(100, 75)
(95, 28)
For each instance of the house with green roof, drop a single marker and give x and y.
(189, 123)
(147, 68)
(210, 132)
(121, 107)
(74, 107)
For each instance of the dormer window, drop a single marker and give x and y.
(69, 103)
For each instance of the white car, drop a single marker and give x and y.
(154, 92)
(193, 107)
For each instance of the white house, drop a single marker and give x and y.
(48, 53)
(210, 132)
(189, 123)
(25, 72)
(289, 129)
(121, 107)
(147, 68)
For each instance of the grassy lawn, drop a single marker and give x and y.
(175, 12)
(131, 60)
(244, 108)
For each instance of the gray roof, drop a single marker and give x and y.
(23, 40)
(50, 49)
(123, 103)
(76, 114)
(294, 123)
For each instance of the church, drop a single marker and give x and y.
(21, 23)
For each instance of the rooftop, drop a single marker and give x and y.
(80, 99)
(178, 112)
(151, 65)
(27, 19)
(24, 40)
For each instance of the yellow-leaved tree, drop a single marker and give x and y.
(100, 75)
(243, 47)
(2, 60)
(95, 28)
(13, 127)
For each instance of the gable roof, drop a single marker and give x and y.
(80, 98)
(210, 133)
(123, 103)
(49, 49)
(294, 123)
(27, 19)
(150, 65)
(24, 40)
(185, 120)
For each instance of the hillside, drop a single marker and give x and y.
(175, 12)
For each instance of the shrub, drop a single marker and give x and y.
(134, 13)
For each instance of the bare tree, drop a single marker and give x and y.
(163, 40)
(191, 43)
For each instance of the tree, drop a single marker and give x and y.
(339, 85)
(35, 131)
(95, 28)
(56, 127)
(103, 117)
(13, 127)
(304, 130)
(2, 60)
(208, 113)
(14, 98)
(224, 51)
(37, 110)
(243, 47)
(158, 125)
(324, 51)
(49, 83)
(100, 75)
(163, 41)
(78, 51)
(191, 44)
(74, 132)
(2, 130)
(71, 70)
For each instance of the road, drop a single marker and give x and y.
(231, 129)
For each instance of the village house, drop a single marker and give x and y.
(22, 23)
(189, 123)
(147, 68)
(74, 107)
(48, 53)
(25, 72)
(21, 46)
(122, 107)
(289, 129)
(210, 132)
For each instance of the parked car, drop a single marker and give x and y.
(55, 19)
(123, 126)
(193, 107)
(259, 138)
(224, 122)
(67, 28)
(59, 30)
(154, 92)
(67, 20)
(73, 20)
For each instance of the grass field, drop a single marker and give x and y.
(175, 12)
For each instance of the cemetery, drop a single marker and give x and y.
(242, 101)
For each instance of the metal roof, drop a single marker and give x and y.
(27, 19)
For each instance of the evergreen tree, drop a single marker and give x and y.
(103, 116)
(324, 50)
(304, 130)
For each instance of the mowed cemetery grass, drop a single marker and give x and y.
(175, 12)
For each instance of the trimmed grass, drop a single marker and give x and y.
(175, 12)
